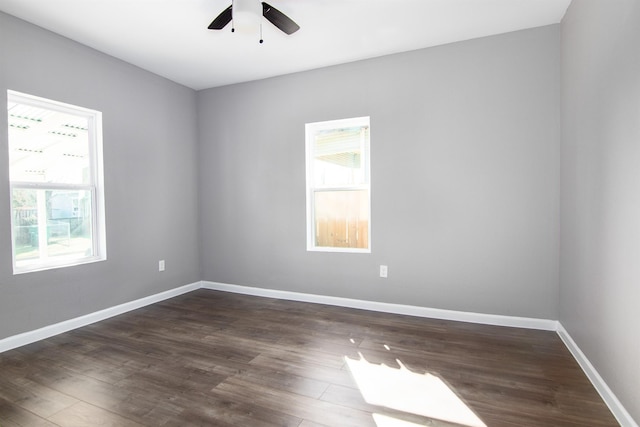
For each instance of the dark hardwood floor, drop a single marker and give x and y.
(211, 358)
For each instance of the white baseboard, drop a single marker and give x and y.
(58, 328)
(623, 417)
(410, 310)
(621, 414)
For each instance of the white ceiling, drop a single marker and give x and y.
(170, 37)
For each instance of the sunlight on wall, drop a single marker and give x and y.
(406, 391)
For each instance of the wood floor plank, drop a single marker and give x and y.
(148, 409)
(294, 404)
(285, 381)
(224, 412)
(307, 423)
(340, 395)
(83, 414)
(305, 369)
(211, 358)
(80, 387)
(32, 396)
(13, 415)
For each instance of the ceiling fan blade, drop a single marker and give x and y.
(279, 19)
(221, 20)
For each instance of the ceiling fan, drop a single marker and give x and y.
(247, 13)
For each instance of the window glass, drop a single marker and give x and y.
(61, 218)
(57, 203)
(338, 157)
(47, 145)
(341, 219)
(338, 187)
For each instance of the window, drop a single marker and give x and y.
(338, 186)
(55, 173)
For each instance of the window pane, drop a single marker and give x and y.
(25, 224)
(69, 223)
(55, 171)
(65, 230)
(47, 145)
(338, 158)
(338, 185)
(341, 219)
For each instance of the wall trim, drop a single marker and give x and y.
(410, 310)
(25, 338)
(621, 414)
(616, 407)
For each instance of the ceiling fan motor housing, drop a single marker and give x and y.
(246, 15)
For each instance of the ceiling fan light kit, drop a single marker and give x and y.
(245, 16)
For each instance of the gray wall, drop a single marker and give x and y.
(600, 254)
(465, 177)
(150, 179)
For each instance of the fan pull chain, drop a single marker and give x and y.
(261, 41)
(233, 30)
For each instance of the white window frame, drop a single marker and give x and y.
(310, 131)
(95, 187)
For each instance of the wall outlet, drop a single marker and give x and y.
(384, 271)
(161, 265)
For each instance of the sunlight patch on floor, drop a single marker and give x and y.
(406, 391)
(386, 421)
